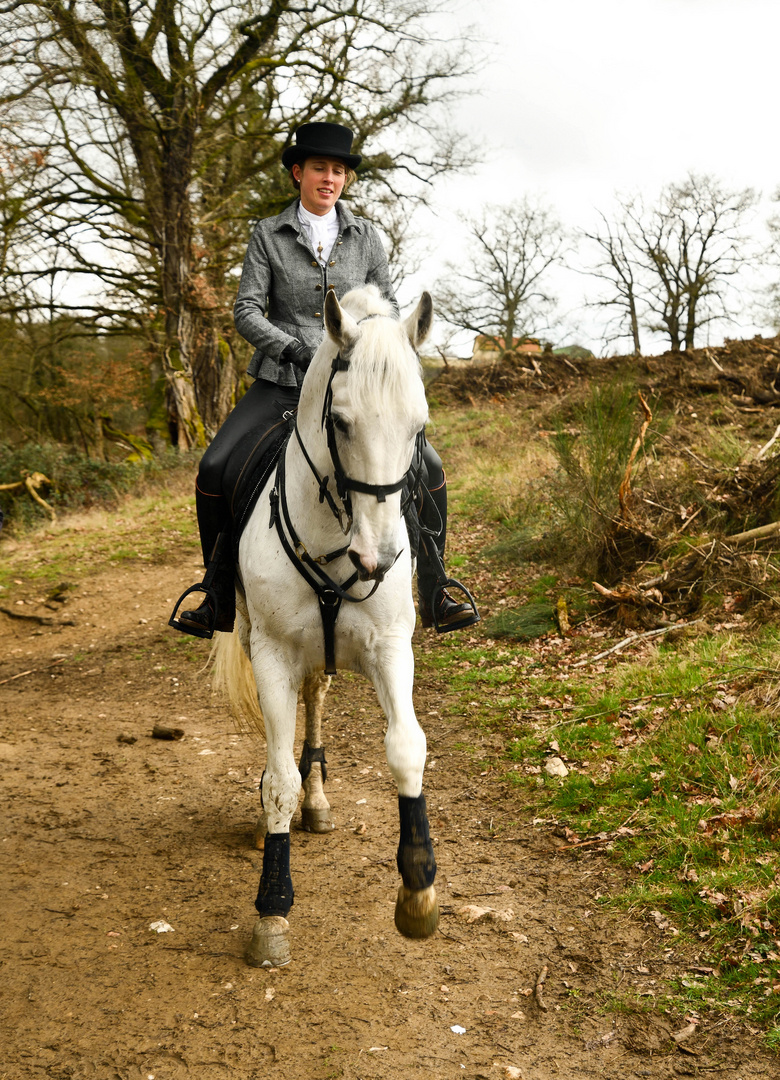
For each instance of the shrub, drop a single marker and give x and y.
(77, 481)
(592, 458)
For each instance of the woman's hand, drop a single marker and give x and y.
(297, 353)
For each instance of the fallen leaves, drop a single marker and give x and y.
(743, 815)
(663, 923)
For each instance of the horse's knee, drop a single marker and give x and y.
(405, 748)
(281, 790)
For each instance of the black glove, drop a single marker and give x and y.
(297, 353)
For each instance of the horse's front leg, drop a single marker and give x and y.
(315, 812)
(416, 909)
(281, 787)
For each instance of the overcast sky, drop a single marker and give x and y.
(578, 100)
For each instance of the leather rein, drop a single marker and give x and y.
(330, 593)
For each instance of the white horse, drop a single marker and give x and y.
(337, 534)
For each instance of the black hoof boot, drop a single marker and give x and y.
(442, 611)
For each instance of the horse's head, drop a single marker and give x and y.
(375, 409)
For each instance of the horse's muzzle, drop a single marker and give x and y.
(369, 570)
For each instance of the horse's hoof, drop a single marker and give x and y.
(416, 912)
(261, 830)
(316, 820)
(269, 946)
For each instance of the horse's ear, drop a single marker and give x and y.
(338, 322)
(419, 323)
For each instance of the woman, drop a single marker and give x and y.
(293, 259)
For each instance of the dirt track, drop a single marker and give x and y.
(104, 836)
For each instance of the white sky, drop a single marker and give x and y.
(582, 98)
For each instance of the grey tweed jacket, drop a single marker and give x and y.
(283, 286)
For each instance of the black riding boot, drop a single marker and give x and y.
(218, 609)
(437, 607)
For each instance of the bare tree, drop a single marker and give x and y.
(498, 289)
(678, 259)
(770, 304)
(617, 267)
(162, 124)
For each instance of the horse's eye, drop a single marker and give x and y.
(340, 424)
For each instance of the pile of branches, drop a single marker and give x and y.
(744, 373)
(508, 374)
(659, 565)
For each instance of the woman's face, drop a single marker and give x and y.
(322, 181)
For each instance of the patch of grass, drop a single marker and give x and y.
(78, 482)
(680, 770)
(486, 463)
(151, 527)
(773, 1038)
(523, 623)
(725, 447)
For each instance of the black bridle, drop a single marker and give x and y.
(346, 484)
(330, 594)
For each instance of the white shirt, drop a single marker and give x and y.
(321, 230)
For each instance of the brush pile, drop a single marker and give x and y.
(689, 522)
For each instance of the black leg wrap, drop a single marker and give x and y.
(415, 859)
(308, 756)
(275, 895)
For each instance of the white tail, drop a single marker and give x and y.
(232, 675)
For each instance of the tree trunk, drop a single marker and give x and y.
(690, 320)
(215, 378)
(672, 323)
(175, 229)
(634, 323)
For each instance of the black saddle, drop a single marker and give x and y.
(248, 469)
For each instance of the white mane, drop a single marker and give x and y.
(382, 360)
(365, 301)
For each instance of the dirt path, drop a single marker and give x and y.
(107, 831)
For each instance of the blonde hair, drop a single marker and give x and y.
(350, 176)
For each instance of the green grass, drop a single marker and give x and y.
(674, 756)
(151, 528)
(673, 759)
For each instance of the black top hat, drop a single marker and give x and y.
(321, 140)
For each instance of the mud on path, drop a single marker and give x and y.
(103, 836)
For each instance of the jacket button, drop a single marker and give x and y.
(318, 314)
(318, 286)
(314, 262)
(331, 288)
(332, 263)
